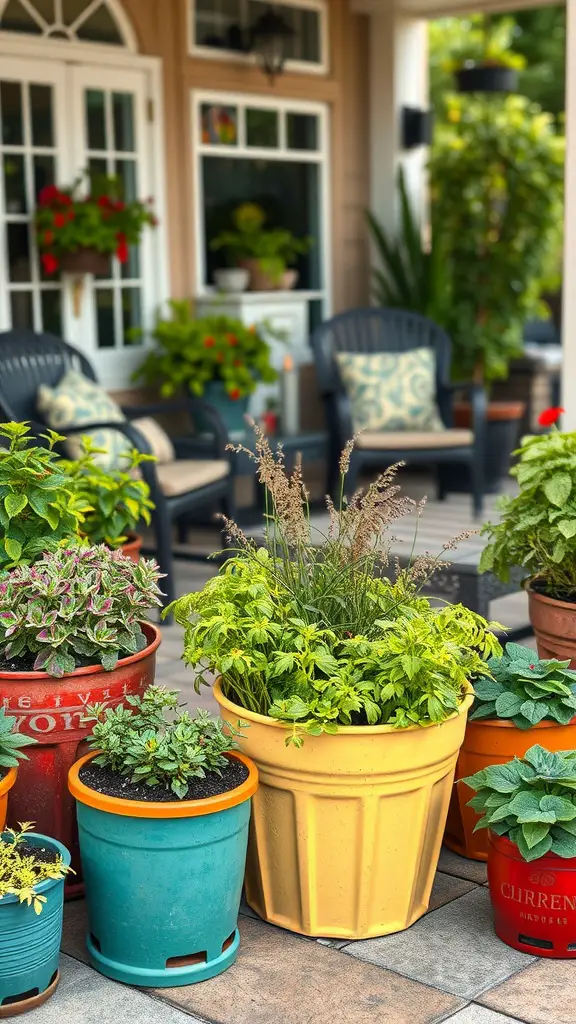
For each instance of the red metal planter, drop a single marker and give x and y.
(534, 905)
(51, 711)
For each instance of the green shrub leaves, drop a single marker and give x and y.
(526, 690)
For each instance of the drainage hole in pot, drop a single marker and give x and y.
(20, 997)
(95, 942)
(187, 961)
(226, 945)
(540, 943)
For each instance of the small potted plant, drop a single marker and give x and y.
(486, 62)
(267, 253)
(11, 753)
(32, 872)
(163, 811)
(78, 231)
(216, 357)
(529, 807)
(524, 697)
(71, 632)
(537, 531)
(39, 509)
(115, 500)
(356, 691)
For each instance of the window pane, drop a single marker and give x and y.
(21, 308)
(309, 35)
(72, 9)
(16, 19)
(100, 27)
(95, 118)
(219, 25)
(41, 113)
(51, 302)
(11, 113)
(44, 172)
(261, 128)
(105, 317)
(46, 9)
(126, 171)
(131, 315)
(123, 116)
(302, 131)
(18, 252)
(219, 125)
(14, 183)
(132, 266)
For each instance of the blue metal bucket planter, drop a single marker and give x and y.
(163, 882)
(30, 942)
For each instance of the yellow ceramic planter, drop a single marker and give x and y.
(6, 784)
(346, 831)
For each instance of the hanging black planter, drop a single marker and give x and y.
(487, 78)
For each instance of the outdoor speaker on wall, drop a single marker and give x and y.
(416, 127)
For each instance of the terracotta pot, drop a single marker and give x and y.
(502, 432)
(493, 741)
(260, 281)
(554, 624)
(85, 261)
(6, 783)
(534, 904)
(51, 711)
(131, 547)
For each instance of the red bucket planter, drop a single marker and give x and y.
(51, 711)
(534, 904)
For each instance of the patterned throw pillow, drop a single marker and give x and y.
(76, 400)
(391, 390)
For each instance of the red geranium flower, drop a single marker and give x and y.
(550, 416)
(119, 205)
(104, 202)
(209, 342)
(237, 362)
(49, 262)
(48, 237)
(122, 248)
(232, 340)
(234, 394)
(64, 199)
(59, 220)
(48, 194)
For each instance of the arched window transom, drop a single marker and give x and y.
(79, 21)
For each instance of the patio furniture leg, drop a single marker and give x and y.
(163, 532)
(477, 479)
(441, 491)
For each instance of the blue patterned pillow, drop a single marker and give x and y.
(391, 390)
(76, 400)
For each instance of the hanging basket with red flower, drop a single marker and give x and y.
(79, 228)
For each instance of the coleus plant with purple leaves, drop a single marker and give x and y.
(76, 606)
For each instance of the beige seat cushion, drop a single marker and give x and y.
(450, 438)
(160, 444)
(190, 474)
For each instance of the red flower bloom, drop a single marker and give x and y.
(49, 262)
(104, 202)
(64, 199)
(220, 357)
(70, 215)
(122, 248)
(48, 194)
(237, 362)
(234, 394)
(119, 205)
(59, 220)
(48, 237)
(550, 416)
(209, 342)
(232, 340)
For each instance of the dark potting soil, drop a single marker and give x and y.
(105, 781)
(46, 854)
(539, 587)
(25, 663)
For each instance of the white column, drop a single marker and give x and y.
(398, 78)
(569, 281)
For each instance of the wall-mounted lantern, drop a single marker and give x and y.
(270, 37)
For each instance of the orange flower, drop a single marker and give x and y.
(48, 237)
(209, 342)
(232, 340)
(220, 357)
(237, 362)
(234, 394)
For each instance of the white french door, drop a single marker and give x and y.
(57, 120)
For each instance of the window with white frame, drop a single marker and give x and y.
(270, 152)
(225, 26)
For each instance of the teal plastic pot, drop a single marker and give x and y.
(163, 882)
(232, 411)
(30, 942)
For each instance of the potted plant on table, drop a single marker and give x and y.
(32, 872)
(529, 807)
(266, 253)
(11, 753)
(537, 531)
(356, 692)
(71, 632)
(216, 357)
(115, 500)
(163, 812)
(524, 698)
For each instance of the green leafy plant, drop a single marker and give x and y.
(21, 871)
(496, 173)
(67, 219)
(38, 507)
(76, 606)
(526, 690)
(11, 742)
(138, 741)
(115, 500)
(487, 42)
(411, 275)
(192, 351)
(275, 249)
(314, 635)
(537, 527)
(531, 801)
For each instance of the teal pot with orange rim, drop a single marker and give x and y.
(231, 410)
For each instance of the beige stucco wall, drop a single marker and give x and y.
(162, 30)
